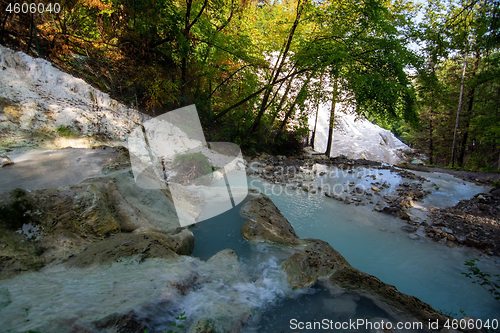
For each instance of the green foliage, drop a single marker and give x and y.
(67, 132)
(197, 159)
(485, 280)
(178, 322)
(477, 162)
(234, 60)
(450, 32)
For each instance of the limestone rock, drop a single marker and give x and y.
(352, 279)
(408, 228)
(266, 223)
(319, 260)
(146, 244)
(203, 326)
(225, 267)
(5, 160)
(181, 241)
(316, 260)
(51, 225)
(123, 245)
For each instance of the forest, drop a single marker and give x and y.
(258, 70)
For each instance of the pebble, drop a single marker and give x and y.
(5, 160)
(408, 228)
(447, 230)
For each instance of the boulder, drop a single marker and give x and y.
(317, 259)
(180, 240)
(144, 244)
(408, 228)
(352, 279)
(266, 223)
(5, 160)
(225, 267)
(203, 326)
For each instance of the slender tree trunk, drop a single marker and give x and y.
(188, 24)
(282, 101)
(458, 113)
(292, 107)
(287, 116)
(210, 112)
(267, 94)
(469, 115)
(31, 36)
(258, 92)
(431, 140)
(463, 145)
(185, 33)
(212, 91)
(317, 112)
(3, 26)
(328, 151)
(315, 126)
(277, 92)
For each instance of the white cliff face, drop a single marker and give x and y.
(357, 138)
(40, 97)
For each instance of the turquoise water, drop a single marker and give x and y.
(374, 243)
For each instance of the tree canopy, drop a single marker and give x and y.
(258, 69)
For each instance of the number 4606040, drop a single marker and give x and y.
(33, 8)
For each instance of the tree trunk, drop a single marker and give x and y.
(31, 36)
(258, 92)
(315, 126)
(282, 101)
(3, 26)
(267, 94)
(185, 33)
(328, 151)
(317, 112)
(463, 145)
(458, 113)
(188, 24)
(431, 140)
(292, 107)
(470, 97)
